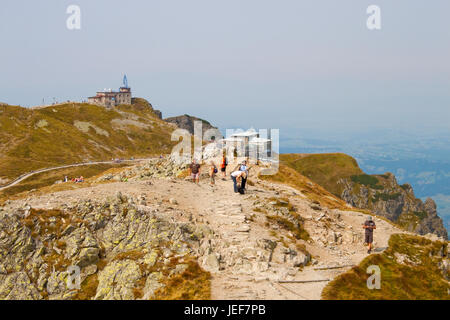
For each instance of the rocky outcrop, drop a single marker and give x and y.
(385, 197)
(123, 250)
(166, 168)
(145, 105)
(187, 122)
(156, 168)
(158, 113)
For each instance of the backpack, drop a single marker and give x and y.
(215, 169)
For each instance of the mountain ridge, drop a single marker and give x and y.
(380, 193)
(69, 133)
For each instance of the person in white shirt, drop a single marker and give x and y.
(237, 177)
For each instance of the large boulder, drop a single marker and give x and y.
(117, 280)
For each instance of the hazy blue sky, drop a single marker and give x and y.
(284, 64)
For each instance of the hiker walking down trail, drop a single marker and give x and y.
(194, 171)
(223, 166)
(212, 173)
(237, 177)
(369, 226)
(243, 168)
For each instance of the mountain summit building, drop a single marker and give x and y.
(109, 98)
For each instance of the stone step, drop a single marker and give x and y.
(243, 228)
(237, 241)
(234, 216)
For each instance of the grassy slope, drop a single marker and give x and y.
(328, 169)
(419, 278)
(325, 169)
(33, 139)
(45, 179)
(313, 191)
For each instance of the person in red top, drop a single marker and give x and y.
(223, 167)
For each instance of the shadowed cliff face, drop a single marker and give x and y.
(384, 196)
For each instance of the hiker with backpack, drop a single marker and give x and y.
(369, 226)
(223, 166)
(212, 173)
(194, 171)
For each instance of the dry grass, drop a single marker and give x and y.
(192, 284)
(40, 222)
(130, 255)
(88, 288)
(260, 210)
(26, 145)
(311, 190)
(325, 169)
(46, 222)
(46, 181)
(183, 174)
(421, 279)
(283, 203)
(298, 231)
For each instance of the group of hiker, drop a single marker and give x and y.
(76, 180)
(239, 175)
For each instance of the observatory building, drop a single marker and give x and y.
(109, 98)
(250, 144)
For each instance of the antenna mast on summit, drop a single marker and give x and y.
(125, 81)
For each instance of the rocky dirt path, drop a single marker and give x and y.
(248, 258)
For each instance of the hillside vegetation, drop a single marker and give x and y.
(411, 268)
(325, 169)
(31, 139)
(49, 178)
(380, 193)
(314, 192)
(187, 122)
